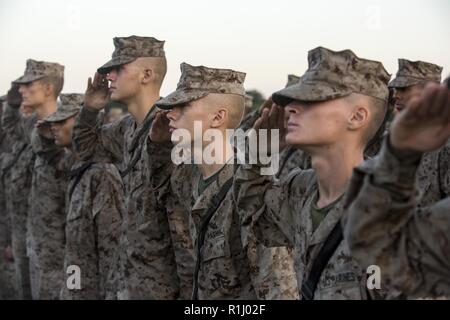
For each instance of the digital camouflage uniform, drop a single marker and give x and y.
(433, 173)
(280, 211)
(7, 273)
(148, 259)
(94, 209)
(231, 263)
(384, 226)
(16, 174)
(46, 212)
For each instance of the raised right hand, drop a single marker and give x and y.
(159, 131)
(272, 117)
(13, 97)
(97, 93)
(424, 125)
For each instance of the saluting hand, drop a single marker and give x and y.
(44, 129)
(424, 125)
(159, 131)
(272, 117)
(97, 93)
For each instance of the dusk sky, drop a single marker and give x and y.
(265, 39)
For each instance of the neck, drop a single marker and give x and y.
(142, 103)
(333, 166)
(221, 156)
(45, 109)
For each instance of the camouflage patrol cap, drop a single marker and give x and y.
(128, 49)
(198, 81)
(69, 105)
(292, 79)
(36, 70)
(335, 74)
(415, 72)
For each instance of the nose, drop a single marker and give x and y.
(397, 95)
(293, 107)
(112, 75)
(172, 114)
(22, 88)
(53, 128)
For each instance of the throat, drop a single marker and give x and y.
(141, 106)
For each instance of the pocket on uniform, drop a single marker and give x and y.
(73, 215)
(215, 248)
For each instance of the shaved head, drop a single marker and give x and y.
(158, 66)
(377, 111)
(233, 103)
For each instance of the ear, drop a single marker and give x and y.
(359, 117)
(147, 76)
(219, 118)
(49, 89)
(71, 121)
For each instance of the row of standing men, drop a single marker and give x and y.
(107, 199)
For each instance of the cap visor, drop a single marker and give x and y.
(58, 117)
(310, 92)
(114, 63)
(27, 79)
(404, 82)
(180, 97)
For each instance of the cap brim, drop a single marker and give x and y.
(27, 79)
(114, 63)
(404, 82)
(60, 116)
(180, 97)
(309, 92)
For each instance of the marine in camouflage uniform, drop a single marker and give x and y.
(231, 263)
(95, 205)
(285, 212)
(148, 259)
(384, 223)
(7, 273)
(16, 174)
(46, 217)
(434, 170)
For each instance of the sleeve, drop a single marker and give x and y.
(160, 169)
(444, 170)
(262, 204)
(178, 218)
(5, 222)
(108, 210)
(92, 139)
(14, 124)
(383, 227)
(249, 119)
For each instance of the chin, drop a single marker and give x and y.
(115, 96)
(292, 140)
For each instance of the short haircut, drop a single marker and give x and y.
(377, 108)
(158, 66)
(56, 81)
(234, 103)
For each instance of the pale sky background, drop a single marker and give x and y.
(267, 39)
